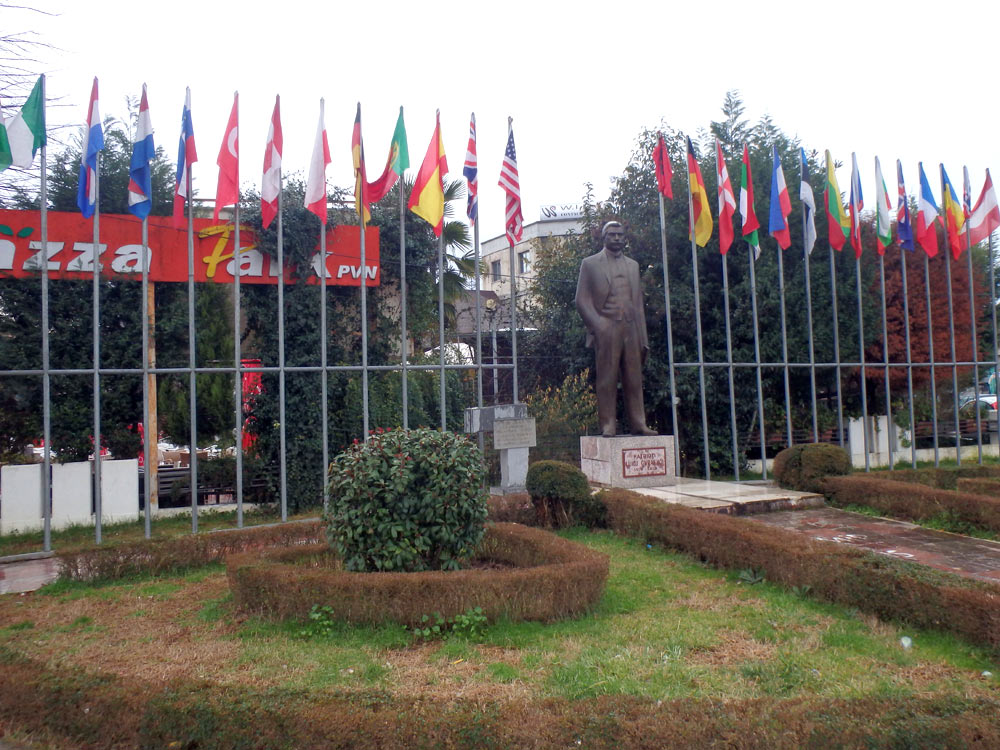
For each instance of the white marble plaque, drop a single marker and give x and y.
(514, 433)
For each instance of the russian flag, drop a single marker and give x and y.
(927, 216)
(140, 183)
(93, 141)
(781, 205)
(186, 156)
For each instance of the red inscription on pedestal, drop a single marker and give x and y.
(644, 462)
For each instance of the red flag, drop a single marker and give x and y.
(985, 217)
(315, 198)
(727, 201)
(664, 173)
(228, 191)
(271, 181)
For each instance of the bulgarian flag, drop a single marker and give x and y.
(701, 225)
(883, 210)
(397, 163)
(427, 197)
(26, 129)
(749, 216)
(837, 220)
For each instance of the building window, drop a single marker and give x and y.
(495, 271)
(524, 262)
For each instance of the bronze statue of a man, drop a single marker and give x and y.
(609, 299)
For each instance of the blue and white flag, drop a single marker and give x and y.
(93, 141)
(140, 182)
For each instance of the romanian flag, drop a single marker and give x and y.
(838, 222)
(427, 197)
(954, 217)
(701, 224)
(360, 180)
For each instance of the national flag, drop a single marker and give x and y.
(927, 216)
(471, 172)
(5, 155)
(985, 216)
(93, 142)
(883, 209)
(664, 172)
(186, 156)
(954, 219)
(510, 182)
(228, 191)
(397, 163)
(270, 183)
(315, 199)
(809, 201)
(857, 203)
(701, 228)
(749, 216)
(966, 193)
(781, 206)
(838, 223)
(26, 129)
(140, 183)
(360, 177)
(904, 227)
(727, 202)
(427, 196)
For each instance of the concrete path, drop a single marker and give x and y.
(27, 574)
(733, 498)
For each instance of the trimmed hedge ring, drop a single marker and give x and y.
(552, 578)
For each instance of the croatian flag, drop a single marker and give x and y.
(93, 141)
(140, 183)
(186, 156)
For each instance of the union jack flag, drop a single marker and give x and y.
(904, 229)
(509, 182)
(471, 172)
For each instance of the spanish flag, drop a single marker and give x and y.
(427, 197)
(701, 225)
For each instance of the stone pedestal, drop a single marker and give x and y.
(628, 460)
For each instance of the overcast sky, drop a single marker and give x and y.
(579, 83)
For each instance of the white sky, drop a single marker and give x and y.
(915, 82)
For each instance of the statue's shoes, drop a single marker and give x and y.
(645, 431)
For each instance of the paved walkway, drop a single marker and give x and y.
(27, 575)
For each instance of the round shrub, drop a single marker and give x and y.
(562, 496)
(406, 500)
(802, 467)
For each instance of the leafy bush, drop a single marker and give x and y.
(562, 496)
(802, 467)
(406, 500)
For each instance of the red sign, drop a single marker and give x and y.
(71, 250)
(644, 462)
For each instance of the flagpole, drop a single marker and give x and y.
(784, 347)
(670, 340)
(697, 318)
(909, 356)
(861, 359)
(806, 254)
(323, 355)
(993, 307)
(729, 359)
(364, 325)
(756, 355)
(404, 342)
(441, 327)
(930, 353)
(885, 358)
(282, 434)
(192, 341)
(951, 331)
(96, 326)
(836, 343)
(149, 475)
(975, 344)
(513, 305)
(479, 331)
(46, 483)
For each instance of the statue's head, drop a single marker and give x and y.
(613, 235)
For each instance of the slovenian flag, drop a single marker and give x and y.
(93, 142)
(140, 183)
(186, 156)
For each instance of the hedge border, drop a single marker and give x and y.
(943, 478)
(107, 712)
(886, 587)
(913, 502)
(553, 578)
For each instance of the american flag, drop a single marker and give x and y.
(471, 172)
(510, 184)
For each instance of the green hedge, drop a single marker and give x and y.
(549, 578)
(913, 502)
(943, 478)
(887, 587)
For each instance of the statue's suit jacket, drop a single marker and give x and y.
(594, 286)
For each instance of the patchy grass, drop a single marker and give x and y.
(667, 627)
(943, 521)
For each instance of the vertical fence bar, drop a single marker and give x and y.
(890, 424)
(784, 347)
(975, 344)
(729, 360)
(757, 369)
(954, 358)
(836, 344)
(670, 340)
(930, 355)
(861, 359)
(909, 358)
(812, 345)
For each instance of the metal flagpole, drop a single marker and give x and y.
(513, 303)
(975, 344)
(364, 325)
(670, 341)
(784, 347)
(836, 344)
(324, 363)
(479, 334)
(993, 308)
(697, 319)
(192, 342)
(729, 359)
(861, 359)
(885, 358)
(147, 393)
(951, 337)
(282, 433)
(404, 342)
(930, 352)
(909, 357)
(441, 326)
(809, 323)
(756, 356)
(46, 498)
(96, 328)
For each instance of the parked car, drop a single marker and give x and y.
(987, 408)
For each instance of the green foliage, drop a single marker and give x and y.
(470, 625)
(320, 623)
(406, 500)
(561, 495)
(751, 576)
(562, 414)
(802, 467)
